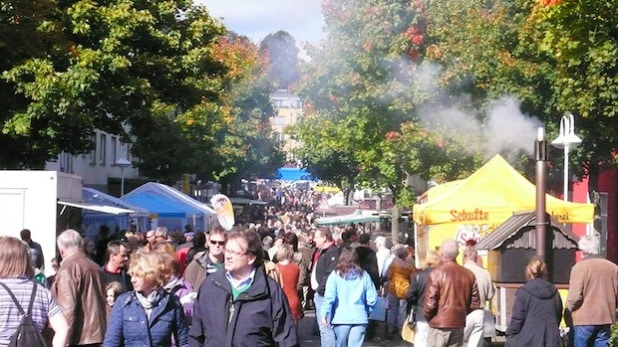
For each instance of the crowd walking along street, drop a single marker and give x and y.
(334, 173)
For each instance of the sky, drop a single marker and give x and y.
(257, 19)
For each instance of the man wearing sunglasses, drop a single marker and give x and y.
(207, 262)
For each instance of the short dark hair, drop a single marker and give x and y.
(199, 240)
(113, 247)
(254, 244)
(291, 239)
(364, 238)
(25, 234)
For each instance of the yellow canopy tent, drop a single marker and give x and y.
(473, 207)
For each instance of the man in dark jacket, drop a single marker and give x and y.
(369, 262)
(325, 260)
(115, 270)
(450, 294)
(240, 305)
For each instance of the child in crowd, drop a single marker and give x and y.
(112, 290)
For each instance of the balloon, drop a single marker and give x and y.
(225, 213)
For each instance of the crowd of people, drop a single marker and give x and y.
(252, 285)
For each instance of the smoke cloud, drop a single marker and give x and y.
(500, 127)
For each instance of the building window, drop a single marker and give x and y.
(114, 147)
(102, 149)
(93, 152)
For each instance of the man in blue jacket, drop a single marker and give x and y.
(240, 305)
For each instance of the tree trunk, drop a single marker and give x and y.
(395, 224)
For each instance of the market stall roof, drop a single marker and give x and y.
(360, 216)
(490, 196)
(93, 196)
(166, 201)
(293, 174)
(524, 221)
(95, 207)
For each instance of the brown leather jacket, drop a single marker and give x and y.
(79, 290)
(450, 294)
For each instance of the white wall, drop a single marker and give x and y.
(28, 200)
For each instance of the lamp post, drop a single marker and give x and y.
(540, 154)
(122, 162)
(566, 140)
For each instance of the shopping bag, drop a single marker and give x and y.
(379, 310)
(407, 332)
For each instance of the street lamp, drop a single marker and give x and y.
(566, 140)
(122, 162)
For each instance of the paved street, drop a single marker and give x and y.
(305, 329)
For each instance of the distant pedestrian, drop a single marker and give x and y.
(399, 276)
(115, 269)
(537, 311)
(207, 262)
(591, 302)
(325, 259)
(290, 272)
(35, 249)
(475, 328)
(349, 298)
(147, 315)
(416, 298)
(450, 294)
(79, 289)
(382, 255)
(16, 273)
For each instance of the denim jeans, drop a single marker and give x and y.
(591, 335)
(350, 335)
(396, 312)
(327, 334)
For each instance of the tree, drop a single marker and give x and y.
(582, 38)
(245, 149)
(282, 53)
(137, 65)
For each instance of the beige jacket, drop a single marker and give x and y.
(593, 288)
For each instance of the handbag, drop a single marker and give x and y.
(411, 318)
(379, 310)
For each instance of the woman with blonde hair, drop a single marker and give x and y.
(148, 314)
(537, 310)
(416, 298)
(16, 276)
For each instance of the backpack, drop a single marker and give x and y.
(27, 334)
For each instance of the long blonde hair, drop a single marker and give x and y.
(15, 258)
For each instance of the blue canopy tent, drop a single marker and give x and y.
(293, 174)
(170, 207)
(92, 220)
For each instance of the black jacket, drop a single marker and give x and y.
(326, 264)
(536, 316)
(369, 262)
(260, 316)
(416, 293)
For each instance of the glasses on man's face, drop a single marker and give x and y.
(234, 253)
(218, 243)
